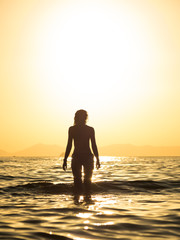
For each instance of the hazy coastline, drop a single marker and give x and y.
(110, 150)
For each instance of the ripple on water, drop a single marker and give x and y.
(135, 202)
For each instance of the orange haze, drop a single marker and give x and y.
(119, 60)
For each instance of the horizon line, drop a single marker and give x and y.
(104, 146)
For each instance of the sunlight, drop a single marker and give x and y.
(84, 215)
(119, 60)
(103, 201)
(91, 55)
(103, 224)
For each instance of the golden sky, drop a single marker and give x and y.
(119, 60)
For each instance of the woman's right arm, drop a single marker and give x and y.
(95, 149)
(68, 148)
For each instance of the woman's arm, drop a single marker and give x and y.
(94, 148)
(68, 149)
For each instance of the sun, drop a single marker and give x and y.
(91, 55)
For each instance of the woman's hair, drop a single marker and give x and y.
(80, 117)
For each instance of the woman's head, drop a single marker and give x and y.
(80, 117)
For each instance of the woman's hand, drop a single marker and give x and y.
(64, 165)
(98, 165)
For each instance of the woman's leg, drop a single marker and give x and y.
(88, 171)
(77, 173)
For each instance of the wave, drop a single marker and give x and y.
(137, 186)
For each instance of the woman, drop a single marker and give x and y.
(82, 156)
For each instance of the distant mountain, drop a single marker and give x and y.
(132, 150)
(111, 150)
(41, 150)
(3, 153)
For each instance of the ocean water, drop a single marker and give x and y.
(132, 198)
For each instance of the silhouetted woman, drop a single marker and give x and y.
(82, 156)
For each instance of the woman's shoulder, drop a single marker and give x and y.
(71, 128)
(90, 128)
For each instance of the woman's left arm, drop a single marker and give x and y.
(68, 149)
(95, 149)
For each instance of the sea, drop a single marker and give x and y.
(132, 198)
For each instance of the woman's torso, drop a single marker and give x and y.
(81, 135)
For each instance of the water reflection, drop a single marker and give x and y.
(131, 199)
(83, 199)
(97, 215)
(103, 224)
(84, 215)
